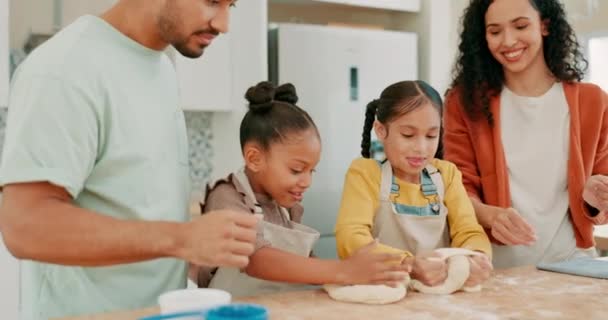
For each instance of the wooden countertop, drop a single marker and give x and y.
(519, 293)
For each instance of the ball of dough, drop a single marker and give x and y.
(458, 273)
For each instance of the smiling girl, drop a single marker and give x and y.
(411, 202)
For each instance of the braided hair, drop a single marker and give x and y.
(396, 100)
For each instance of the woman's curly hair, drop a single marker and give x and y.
(478, 76)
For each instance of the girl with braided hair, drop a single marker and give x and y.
(411, 202)
(530, 139)
(281, 147)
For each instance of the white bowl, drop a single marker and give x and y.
(192, 300)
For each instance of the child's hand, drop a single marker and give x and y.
(430, 269)
(408, 264)
(367, 267)
(480, 270)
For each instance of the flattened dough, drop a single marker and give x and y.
(367, 294)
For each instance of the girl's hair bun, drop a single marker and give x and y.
(286, 93)
(260, 97)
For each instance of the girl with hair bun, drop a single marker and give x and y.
(281, 147)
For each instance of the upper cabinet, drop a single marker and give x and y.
(212, 82)
(399, 5)
(4, 53)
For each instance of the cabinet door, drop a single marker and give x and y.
(72, 9)
(211, 82)
(4, 53)
(597, 52)
(205, 83)
(400, 5)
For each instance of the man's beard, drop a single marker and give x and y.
(184, 50)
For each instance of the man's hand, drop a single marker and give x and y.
(219, 238)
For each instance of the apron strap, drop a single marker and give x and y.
(386, 183)
(432, 186)
(285, 213)
(427, 185)
(431, 183)
(244, 181)
(241, 177)
(437, 180)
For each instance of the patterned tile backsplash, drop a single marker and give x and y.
(201, 152)
(199, 135)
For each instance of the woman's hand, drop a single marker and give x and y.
(508, 227)
(595, 192)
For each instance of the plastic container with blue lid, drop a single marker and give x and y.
(237, 311)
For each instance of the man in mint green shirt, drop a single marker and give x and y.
(95, 164)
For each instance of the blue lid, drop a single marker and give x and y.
(176, 316)
(242, 311)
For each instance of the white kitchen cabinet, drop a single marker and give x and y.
(210, 83)
(597, 51)
(4, 53)
(398, 5)
(336, 76)
(72, 9)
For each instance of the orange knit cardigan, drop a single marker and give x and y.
(476, 148)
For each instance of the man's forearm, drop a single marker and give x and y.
(55, 231)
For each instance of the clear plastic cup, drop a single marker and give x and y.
(185, 300)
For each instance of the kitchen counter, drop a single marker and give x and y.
(518, 293)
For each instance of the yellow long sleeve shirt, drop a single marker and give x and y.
(361, 198)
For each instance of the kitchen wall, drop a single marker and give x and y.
(585, 18)
(38, 16)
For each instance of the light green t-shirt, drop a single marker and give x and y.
(97, 113)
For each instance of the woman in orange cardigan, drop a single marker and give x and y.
(530, 139)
